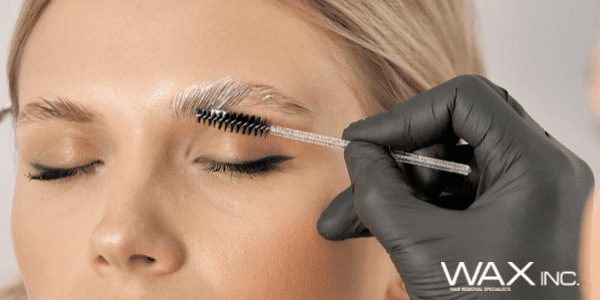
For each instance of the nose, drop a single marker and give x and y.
(132, 238)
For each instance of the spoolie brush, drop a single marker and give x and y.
(252, 125)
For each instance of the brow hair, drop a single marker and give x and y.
(65, 109)
(226, 93)
(221, 94)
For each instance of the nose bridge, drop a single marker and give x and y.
(139, 158)
(134, 234)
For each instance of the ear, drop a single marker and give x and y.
(396, 290)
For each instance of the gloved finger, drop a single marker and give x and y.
(426, 181)
(340, 221)
(443, 91)
(457, 184)
(514, 104)
(519, 109)
(430, 182)
(383, 201)
(465, 107)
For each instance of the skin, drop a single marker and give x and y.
(211, 235)
(589, 249)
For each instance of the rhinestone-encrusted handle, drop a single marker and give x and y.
(399, 156)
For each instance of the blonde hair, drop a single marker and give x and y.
(30, 13)
(397, 48)
(14, 292)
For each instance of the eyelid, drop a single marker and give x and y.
(254, 167)
(52, 173)
(265, 158)
(41, 167)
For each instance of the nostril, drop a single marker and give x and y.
(101, 261)
(147, 259)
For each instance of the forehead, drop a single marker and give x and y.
(145, 49)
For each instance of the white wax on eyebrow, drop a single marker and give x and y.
(222, 93)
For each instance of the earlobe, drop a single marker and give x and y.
(396, 290)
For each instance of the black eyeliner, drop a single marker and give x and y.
(49, 173)
(255, 167)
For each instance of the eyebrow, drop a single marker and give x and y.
(62, 108)
(227, 93)
(224, 94)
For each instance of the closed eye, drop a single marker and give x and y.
(255, 167)
(252, 168)
(50, 173)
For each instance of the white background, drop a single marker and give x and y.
(538, 50)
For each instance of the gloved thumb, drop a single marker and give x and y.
(340, 221)
(384, 201)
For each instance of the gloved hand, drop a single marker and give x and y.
(515, 217)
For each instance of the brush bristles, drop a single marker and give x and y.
(238, 122)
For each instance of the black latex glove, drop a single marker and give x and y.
(524, 203)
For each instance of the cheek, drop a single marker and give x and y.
(284, 257)
(275, 251)
(46, 245)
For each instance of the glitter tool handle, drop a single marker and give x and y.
(400, 156)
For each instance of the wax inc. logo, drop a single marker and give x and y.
(490, 273)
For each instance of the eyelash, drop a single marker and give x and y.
(48, 173)
(252, 168)
(256, 167)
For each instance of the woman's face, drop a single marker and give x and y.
(160, 206)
